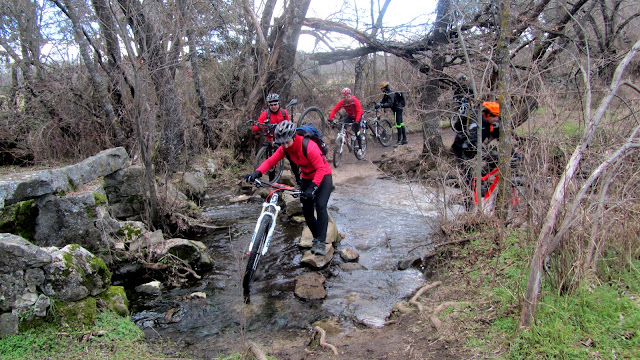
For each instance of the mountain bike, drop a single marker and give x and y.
(490, 180)
(348, 138)
(269, 147)
(313, 116)
(265, 226)
(463, 117)
(381, 129)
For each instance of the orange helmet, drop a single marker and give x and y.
(492, 106)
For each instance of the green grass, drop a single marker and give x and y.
(596, 321)
(112, 337)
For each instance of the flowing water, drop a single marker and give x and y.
(387, 222)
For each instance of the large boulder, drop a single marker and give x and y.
(71, 219)
(124, 189)
(18, 253)
(74, 274)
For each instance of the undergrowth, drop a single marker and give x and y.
(112, 337)
(598, 320)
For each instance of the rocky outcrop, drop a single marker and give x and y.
(33, 278)
(29, 185)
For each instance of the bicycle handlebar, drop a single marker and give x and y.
(277, 187)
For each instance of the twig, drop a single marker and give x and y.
(323, 343)
(260, 355)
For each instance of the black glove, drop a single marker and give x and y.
(377, 105)
(310, 191)
(254, 175)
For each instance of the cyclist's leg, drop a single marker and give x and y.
(400, 121)
(321, 200)
(355, 127)
(308, 209)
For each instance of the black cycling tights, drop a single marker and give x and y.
(318, 226)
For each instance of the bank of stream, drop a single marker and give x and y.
(389, 223)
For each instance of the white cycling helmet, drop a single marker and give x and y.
(285, 131)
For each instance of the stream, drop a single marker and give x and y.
(389, 223)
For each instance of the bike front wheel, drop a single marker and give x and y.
(361, 155)
(384, 132)
(313, 116)
(256, 252)
(337, 151)
(275, 173)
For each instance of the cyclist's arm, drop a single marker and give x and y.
(318, 162)
(272, 160)
(386, 102)
(261, 119)
(336, 109)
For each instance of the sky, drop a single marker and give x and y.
(399, 12)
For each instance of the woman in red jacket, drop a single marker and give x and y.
(316, 182)
(352, 106)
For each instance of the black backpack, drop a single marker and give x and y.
(310, 132)
(400, 101)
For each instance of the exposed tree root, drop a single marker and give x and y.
(323, 341)
(255, 349)
(422, 290)
(434, 317)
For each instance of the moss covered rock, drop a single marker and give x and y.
(116, 300)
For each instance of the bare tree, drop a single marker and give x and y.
(547, 243)
(152, 53)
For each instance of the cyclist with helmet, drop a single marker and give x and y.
(464, 144)
(316, 181)
(352, 106)
(391, 100)
(275, 115)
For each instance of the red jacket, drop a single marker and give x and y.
(352, 107)
(274, 118)
(314, 166)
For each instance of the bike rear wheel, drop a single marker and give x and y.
(384, 132)
(313, 116)
(455, 121)
(256, 252)
(361, 156)
(275, 173)
(337, 151)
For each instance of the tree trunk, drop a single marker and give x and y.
(203, 117)
(155, 57)
(95, 78)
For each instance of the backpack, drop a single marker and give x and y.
(310, 132)
(400, 101)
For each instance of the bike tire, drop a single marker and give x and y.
(275, 173)
(455, 122)
(337, 151)
(364, 148)
(255, 255)
(385, 132)
(313, 116)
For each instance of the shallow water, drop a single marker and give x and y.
(385, 221)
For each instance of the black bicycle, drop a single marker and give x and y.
(265, 226)
(269, 147)
(313, 116)
(462, 117)
(381, 129)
